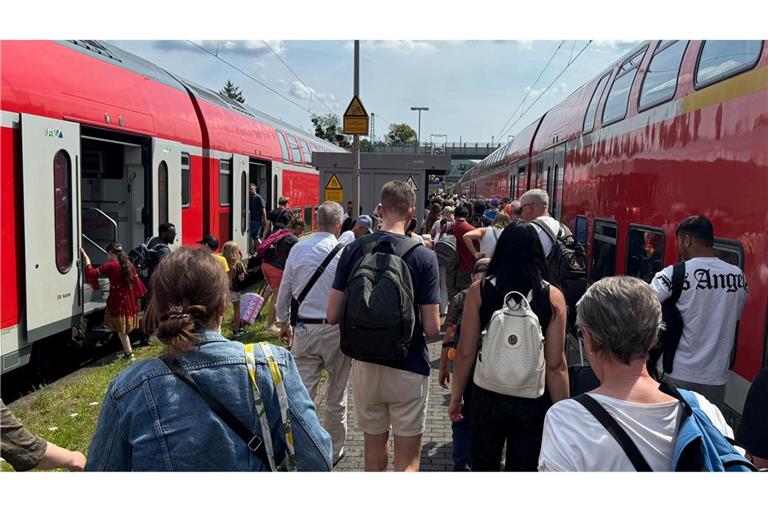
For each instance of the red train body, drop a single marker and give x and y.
(673, 129)
(95, 144)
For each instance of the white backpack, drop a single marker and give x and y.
(511, 359)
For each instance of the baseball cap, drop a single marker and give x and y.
(481, 265)
(210, 241)
(495, 203)
(366, 221)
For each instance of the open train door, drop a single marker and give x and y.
(51, 176)
(166, 186)
(239, 208)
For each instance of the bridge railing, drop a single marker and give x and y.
(463, 148)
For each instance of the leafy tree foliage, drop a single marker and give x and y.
(232, 91)
(400, 134)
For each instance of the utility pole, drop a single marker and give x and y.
(418, 134)
(373, 128)
(356, 139)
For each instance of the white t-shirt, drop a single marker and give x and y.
(488, 242)
(574, 440)
(347, 237)
(711, 303)
(554, 225)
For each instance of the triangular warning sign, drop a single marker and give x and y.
(355, 108)
(334, 183)
(412, 183)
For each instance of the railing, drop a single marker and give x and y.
(463, 148)
(88, 239)
(112, 221)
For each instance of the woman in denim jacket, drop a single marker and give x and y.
(151, 420)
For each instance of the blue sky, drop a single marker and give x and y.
(471, 87)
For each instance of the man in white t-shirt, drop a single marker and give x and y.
(362, 226)
(711, 303)
(619, 318)
(534, 205)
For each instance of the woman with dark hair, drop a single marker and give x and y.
(125, 289)
(209, 404)
(518, 264)
(432, 216)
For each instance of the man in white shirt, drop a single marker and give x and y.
(316, 343)
(534, 205)
(363, 226)
(713, 297)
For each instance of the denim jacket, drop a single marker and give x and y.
(152, 421)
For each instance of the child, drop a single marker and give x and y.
(234, 257)
(452, 326)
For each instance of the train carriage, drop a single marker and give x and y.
(97, 145)
(675, 128)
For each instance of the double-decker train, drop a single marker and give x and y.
(97, 145)
(672, 129)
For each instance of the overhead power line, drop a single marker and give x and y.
(548, 87)
(530, 89)
(309, 89)
(286, 98)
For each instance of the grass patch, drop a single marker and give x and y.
(66, 411)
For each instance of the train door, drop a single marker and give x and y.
(239, 208)
(165, 195)
(558, 173)
(51, 184)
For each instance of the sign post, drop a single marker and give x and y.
(356, 124)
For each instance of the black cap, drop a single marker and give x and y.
(210, 241)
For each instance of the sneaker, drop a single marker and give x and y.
(127, 356)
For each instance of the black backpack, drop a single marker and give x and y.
(145, 260)
(669, 338)
(566, 266)
(380, 312)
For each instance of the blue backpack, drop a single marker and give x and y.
(699, 445)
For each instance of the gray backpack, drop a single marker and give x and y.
(380, 310)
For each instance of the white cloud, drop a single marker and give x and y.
(406, 46)
(555, 90)
(525, 44)
(302, 92)
(241, 47)
(613, 44)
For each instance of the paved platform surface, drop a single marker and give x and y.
(436, 443)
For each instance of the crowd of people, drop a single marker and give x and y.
(358, 298)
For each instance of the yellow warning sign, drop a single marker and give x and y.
(355, 108)
(355, 120)
(334, 195)
(334, 183)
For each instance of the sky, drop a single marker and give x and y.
(473, 88)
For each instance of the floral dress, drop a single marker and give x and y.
(123, 301)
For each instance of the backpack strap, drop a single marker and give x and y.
(254, 442)
(546, 229)
(678, 278)
(613, 428)
(296, 302)
(405, 247)
(368, 242)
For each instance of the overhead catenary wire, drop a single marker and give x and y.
(548, 87)
(248, 75)
(302, 82)
(530, 89)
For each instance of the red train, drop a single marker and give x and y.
(98, 144)
(672, 129)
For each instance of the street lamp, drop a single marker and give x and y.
(418, 134)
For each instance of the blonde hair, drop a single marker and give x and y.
(233, 255)
(500, 221)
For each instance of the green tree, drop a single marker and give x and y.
(232, 91)
(366, 146)
(400, 134)
(328, 127)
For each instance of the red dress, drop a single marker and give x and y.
(123, 300)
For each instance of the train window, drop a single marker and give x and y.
(243, 203)
(306, 151)
(581, 230)
(603, 249)
(225, 182)
(729, 251)
(719, 60)
(520, 179)
(295, 151)
(618, 95)
(645, 252)
(274, 191)
(186, 184)
(660, 82)
(308, 218)
(62, 210)
(589, 118)
(283, 146)
(162, 192)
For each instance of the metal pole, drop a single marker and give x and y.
(356, 140)
(418, 134)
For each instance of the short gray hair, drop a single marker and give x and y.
(535, 196)
(329, 215)
(623, 316)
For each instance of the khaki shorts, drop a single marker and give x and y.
(385, 396)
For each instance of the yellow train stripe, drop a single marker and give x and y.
(731, 88)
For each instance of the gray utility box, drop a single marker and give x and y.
(376, 169)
